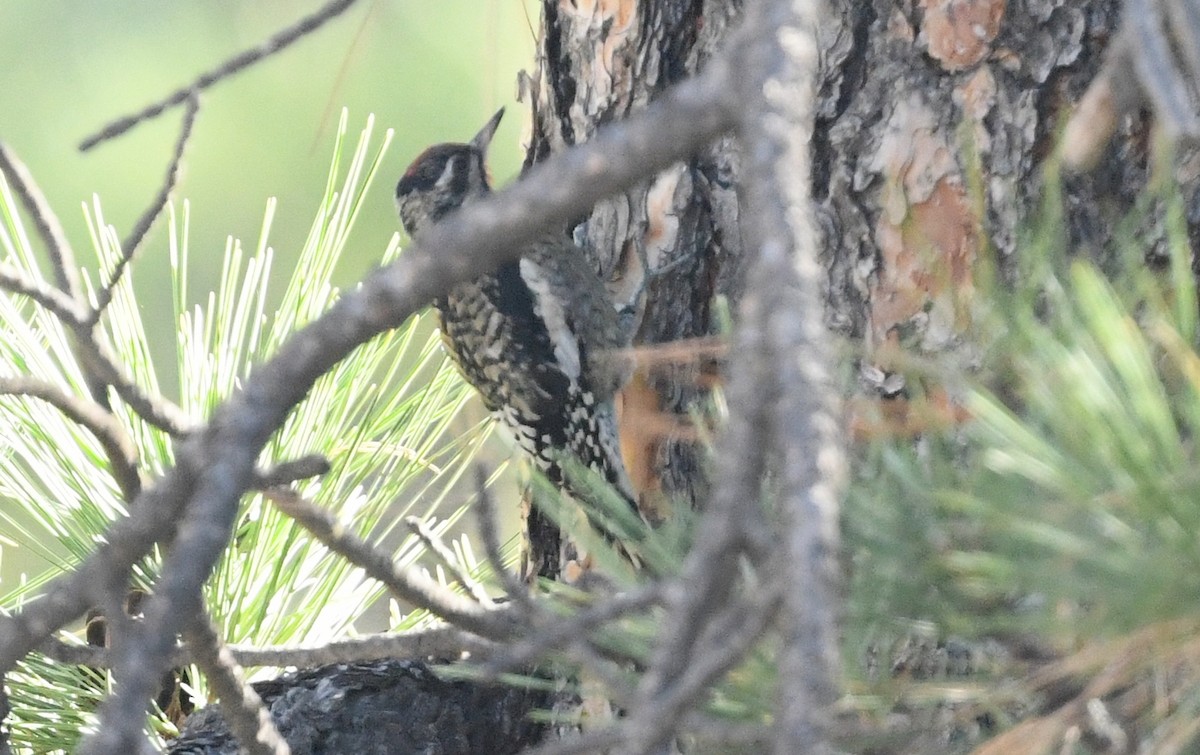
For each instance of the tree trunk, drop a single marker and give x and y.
(935, 122)
(670, 247)
(920, 103)
(917, 100)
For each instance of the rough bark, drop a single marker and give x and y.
(936, 119)
(921, 103)
(670, 247)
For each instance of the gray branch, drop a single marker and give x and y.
(197, 499)
(805, 431)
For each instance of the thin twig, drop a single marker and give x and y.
(56, 302)
(242, 708)
(406, 584)
(485, 507)
(725, 642)
(142, 227)
(62, 260)
(237, 63)
(287, 472)
(434, 542)
(117, 444)
(156, 410)
(440, 642)
(559, 631)
(96, 358)
(50, 230)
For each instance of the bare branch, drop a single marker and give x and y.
(243, 709)
(406, 584)
(558, 632)
(142, 227)
(445, 642)
(726, 640)
(777, 417)
(242, 60)
(155, 410)
(100, 367)
(98, 362)
(62, 257)
(732, 516)
(808, 459)
(287, 472)
(62, 260)
(485, 513)
(117, 444)
(433, 541)
(59, 304)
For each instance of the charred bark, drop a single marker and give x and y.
(381, 707)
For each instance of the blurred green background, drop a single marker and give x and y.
(431, 71)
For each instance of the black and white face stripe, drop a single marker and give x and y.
(440, 180)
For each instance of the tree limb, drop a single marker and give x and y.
(777, 132)
(216, 465)
(245, 59)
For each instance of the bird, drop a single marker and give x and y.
(538, 337)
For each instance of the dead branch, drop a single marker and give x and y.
(236, 64)
(131, 243)
(443, 642)
(807, 456)
(485, 512)
(408, 585)
(117, 444)
(244, 711)
(50, 230)
(101, 368)
(287, 472)
(445, 556)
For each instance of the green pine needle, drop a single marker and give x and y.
(385, 417)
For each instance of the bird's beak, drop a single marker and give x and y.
(484, 137)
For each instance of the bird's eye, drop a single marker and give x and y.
(435, 168)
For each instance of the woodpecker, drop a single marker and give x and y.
(538, 338)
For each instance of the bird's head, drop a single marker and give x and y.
(443, 178)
